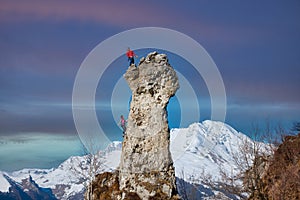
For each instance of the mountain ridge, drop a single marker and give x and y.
(197, 151)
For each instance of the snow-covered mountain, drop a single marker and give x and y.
(69, 179)
(26, 189)
(205, 146)
(199, 151)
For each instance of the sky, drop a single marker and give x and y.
(254, 44)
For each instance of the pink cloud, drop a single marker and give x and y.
(118, 13)
(126, 14)
(111, 12)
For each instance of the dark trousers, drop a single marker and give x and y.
(130, 61)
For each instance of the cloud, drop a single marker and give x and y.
(112, 12)
(128, 14)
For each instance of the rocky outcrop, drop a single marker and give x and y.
(146, 169)
(146, 164)
(282, 178)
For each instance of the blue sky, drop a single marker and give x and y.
(255, 45)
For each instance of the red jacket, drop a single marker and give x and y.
(130, 54)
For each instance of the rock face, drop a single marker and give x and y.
(146, 169)
(146, 161)
(281, 180)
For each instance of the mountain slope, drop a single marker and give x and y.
(26, 190)
(198, 152)
(205, 146)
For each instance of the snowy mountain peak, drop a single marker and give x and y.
(205, 136)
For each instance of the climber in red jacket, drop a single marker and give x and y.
(130, 55)
(123, 122)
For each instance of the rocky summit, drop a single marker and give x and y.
(146, 168)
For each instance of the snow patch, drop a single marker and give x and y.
(4, 184)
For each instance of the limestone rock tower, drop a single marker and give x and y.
(146, 164)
